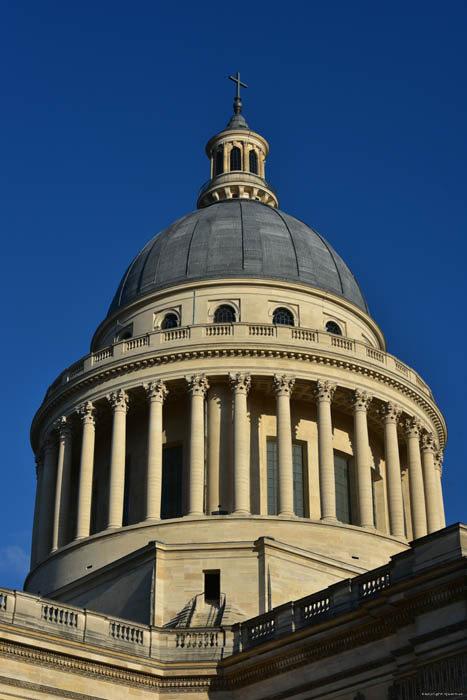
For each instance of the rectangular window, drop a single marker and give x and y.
(273, 479)
(373, 497)
(298, 498)
(127, 492)
(341, 473)
(172, 467)
(212, 586)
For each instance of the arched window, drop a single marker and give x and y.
(283, 317)
(125, 335)
(253, 162)
(224, 314)
(170, 321)
(219, 166)
(235, 159)
(332, 327)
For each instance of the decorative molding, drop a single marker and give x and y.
(87, 413)
(197, 384)
(324, 390)
(390, 412)
(118, 400)
(361, 400)
(156, 391)
(282, 384)
(240, 382)
(443, 677)
(126, 367)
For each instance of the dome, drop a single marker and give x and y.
(237, 238)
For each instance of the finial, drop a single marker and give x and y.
(237, 102)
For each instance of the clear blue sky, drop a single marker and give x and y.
(105, 108)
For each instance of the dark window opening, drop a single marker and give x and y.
(235, 159)
(172, 468)
(212, 586)
(127, 492)
(170, 321)
(332, 327)
(273, 478)
(342, 481)
(224, 314)
(283, 317)
(219, 168)
(253, 162)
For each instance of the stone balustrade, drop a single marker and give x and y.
(300, 339)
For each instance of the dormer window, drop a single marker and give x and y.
(219, 164)
(170, 321)
(253, 162)
(224, 314)
(332, 327)
(283, 317)
(235, 159)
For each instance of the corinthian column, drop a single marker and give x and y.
(327, 485)
(62, 484)
(391, 413)
(86, 467)
(240, 384)
(360, 401)
(119, 402)
(37, 506)
(49, 452)
(282, 387)
(438, 474)
(429, 447)
(198, 386)
(156, 393)
(417, 497)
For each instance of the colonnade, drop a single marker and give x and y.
(54, 463)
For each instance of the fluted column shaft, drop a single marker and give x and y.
(198, 386)
(156, 393)
(361, 400)
(429, 481)
(391, 413)
(282, 386)
(47, 498)
(119, 402)
(327, 484)
(439, 488)
(62, 485)
(86, 469)
(240, 384)
(417, 495)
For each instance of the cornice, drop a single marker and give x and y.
(138, 363)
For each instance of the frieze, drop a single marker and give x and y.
(125, 368)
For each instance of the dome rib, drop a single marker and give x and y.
(234, 238)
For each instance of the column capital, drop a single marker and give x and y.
(361, 400)
(197, 384)
(439, 456)
(156, 391)
(118, 400)
(240, 383)
(324, 390)
(63, 428)
(412, 427)
(282, 384)
(87, 413)
(390, 412)
(429, 443)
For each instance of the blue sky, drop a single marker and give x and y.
(105, 108)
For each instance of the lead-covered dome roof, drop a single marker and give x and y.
(237, 238)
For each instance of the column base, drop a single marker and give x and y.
(286, 514)
(241, 513)
(195, 515)
(151, 519)
(329, 519)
